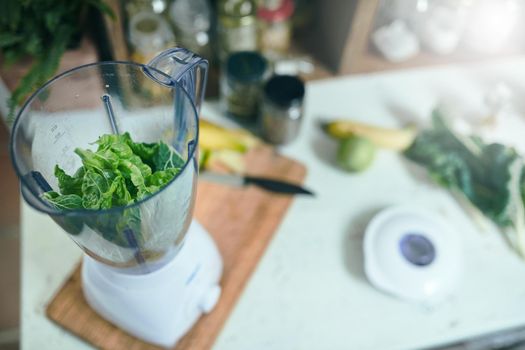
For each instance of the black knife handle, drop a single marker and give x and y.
(277, 186)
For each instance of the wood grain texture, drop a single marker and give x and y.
(115, 31)
(358, 39)
(242, 222)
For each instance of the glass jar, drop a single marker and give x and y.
(282, 109)
(275, 28)
(237, 26)
(148, 34)
(135, 6)
(241, 83)
(192, 19)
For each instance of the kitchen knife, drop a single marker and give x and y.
(269, 184)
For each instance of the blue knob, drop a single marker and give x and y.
(417, 249)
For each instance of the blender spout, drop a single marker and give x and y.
(186, 68)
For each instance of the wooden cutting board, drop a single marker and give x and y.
(242, 222)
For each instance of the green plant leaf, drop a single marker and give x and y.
(40, 30)
(99, 161)
(166, 157)
(66, 201)
(93, 188)
(69, 184)
(489, 176)
(117, 174)
(161, 177)
(8, 39)
(146, 152)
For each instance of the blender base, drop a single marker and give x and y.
(161, 306)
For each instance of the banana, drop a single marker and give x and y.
(223, 148)
(395, 139)
(226, 159)
(215, 137)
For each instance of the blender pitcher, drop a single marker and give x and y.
(147, 267)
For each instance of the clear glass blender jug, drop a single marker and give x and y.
(158, 101)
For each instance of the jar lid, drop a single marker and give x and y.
(281, 13)
(283, 90)
(246, 66)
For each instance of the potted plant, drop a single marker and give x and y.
(34, 35)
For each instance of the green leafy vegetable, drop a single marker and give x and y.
(69, 184)
(489, 176)
(166, 158)
(66, 201)
(120, 172)
(41, 30)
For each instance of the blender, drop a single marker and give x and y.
(148, 267)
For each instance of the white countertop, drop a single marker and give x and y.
(309, 290)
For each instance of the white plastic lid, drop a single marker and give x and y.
(412, 254)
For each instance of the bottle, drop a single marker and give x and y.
(237, 26)
(275, 28)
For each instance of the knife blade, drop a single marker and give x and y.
(269, 184)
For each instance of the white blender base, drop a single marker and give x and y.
(159, 307)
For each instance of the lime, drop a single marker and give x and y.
(355, 153)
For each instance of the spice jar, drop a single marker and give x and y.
(282, 109)
(275, 28)
(237, 26)
(241, 84)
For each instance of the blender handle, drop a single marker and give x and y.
(186, 68)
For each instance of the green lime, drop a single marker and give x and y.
(355, 153)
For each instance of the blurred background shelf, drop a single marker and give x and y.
(371, 61)
(340, 36)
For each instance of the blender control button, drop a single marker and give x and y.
(210, 299)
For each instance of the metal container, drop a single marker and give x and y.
(242, 81)
(282, 109)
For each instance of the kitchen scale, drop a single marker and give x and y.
(157, 277)
(412, 253)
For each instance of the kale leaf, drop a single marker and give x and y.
(489, 176)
